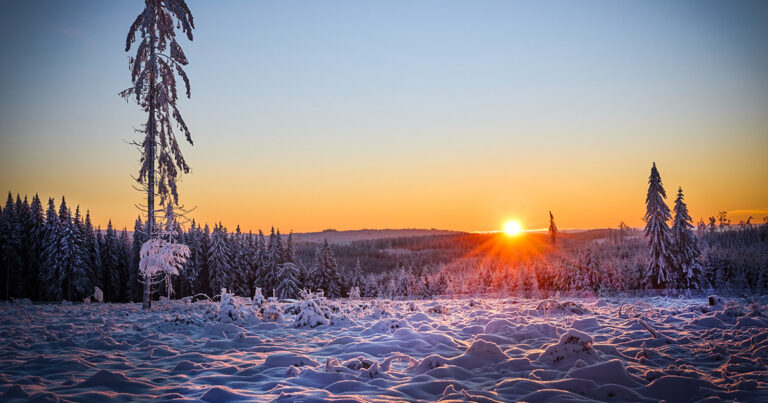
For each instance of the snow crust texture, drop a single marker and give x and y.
(678, 350)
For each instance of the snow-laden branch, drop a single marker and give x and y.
(159, 256)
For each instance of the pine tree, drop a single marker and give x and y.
(552, 230)
(656, 230)
(203, 283)
(260, 262)
(196, 257)
(72, 268)
(218, 259)
(34, 251)
(124, 265)
(139, 237)
(110, 264)
(158, 60)
(240, 265)
(51, 260)
(273, 259)
(252, 260)
(10, 246)
(325, 276)
(77, 282)
(289, 281)
(19, 283)
(686, 245)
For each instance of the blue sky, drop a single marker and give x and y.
(451, 114)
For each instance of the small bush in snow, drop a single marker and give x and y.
(354, 293)
(258, 298)
(310, 315)
(228, 311)
(272, 311)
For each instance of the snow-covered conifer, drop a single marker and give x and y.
(51, 259)
(194, 264)
(110, 262)
(258, 262)
(218, 258)
(10, 246)
(325, 276)
(139, 237)
(656, 230)
(124, 265)
(273, 259)
(34, 233)
(288, 276)
(686, 245)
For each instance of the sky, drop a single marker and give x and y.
(402, 114)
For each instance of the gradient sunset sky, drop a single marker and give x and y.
(402, 114)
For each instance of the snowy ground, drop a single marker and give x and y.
(476, 350)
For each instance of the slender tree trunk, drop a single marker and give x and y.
(147, 302)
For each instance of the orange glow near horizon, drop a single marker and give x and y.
(513, 228)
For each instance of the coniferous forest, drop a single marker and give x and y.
(53, 253)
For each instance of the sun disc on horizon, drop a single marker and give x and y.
(512, 228)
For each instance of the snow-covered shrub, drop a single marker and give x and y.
(550, 306)
(272, 311)
(573, 345)
(159, 257)
(228, 311)
(354, 293)
(438, 309)
(310, 315)
(258, 298)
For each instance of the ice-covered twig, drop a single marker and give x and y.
(649, 329)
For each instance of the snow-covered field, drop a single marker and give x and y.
(469, 350)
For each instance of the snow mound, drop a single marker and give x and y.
(573, 345)
(611, 371)
(113, 380)
(480, 353)
(224, 394)
(289, 359)
(310, 315)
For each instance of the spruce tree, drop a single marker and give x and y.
(73, 242)
(204, 283)
(238, 258)
(289, 273)
(196, 256)
(271, 268)
(656, 230)
(139, 237)
(326, 274)
(259, 262)
(252, 260)
(19, 281)
(218, 259)
(10, 246)
(124, 265)
(34, 234)
(94, 253)
(51, 260)
(110, 266)
(686, 245)
(288, 286)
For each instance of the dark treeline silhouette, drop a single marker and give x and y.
(53, 253)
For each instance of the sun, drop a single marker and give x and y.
(512, 228)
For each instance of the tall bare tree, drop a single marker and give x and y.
(154, 67)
